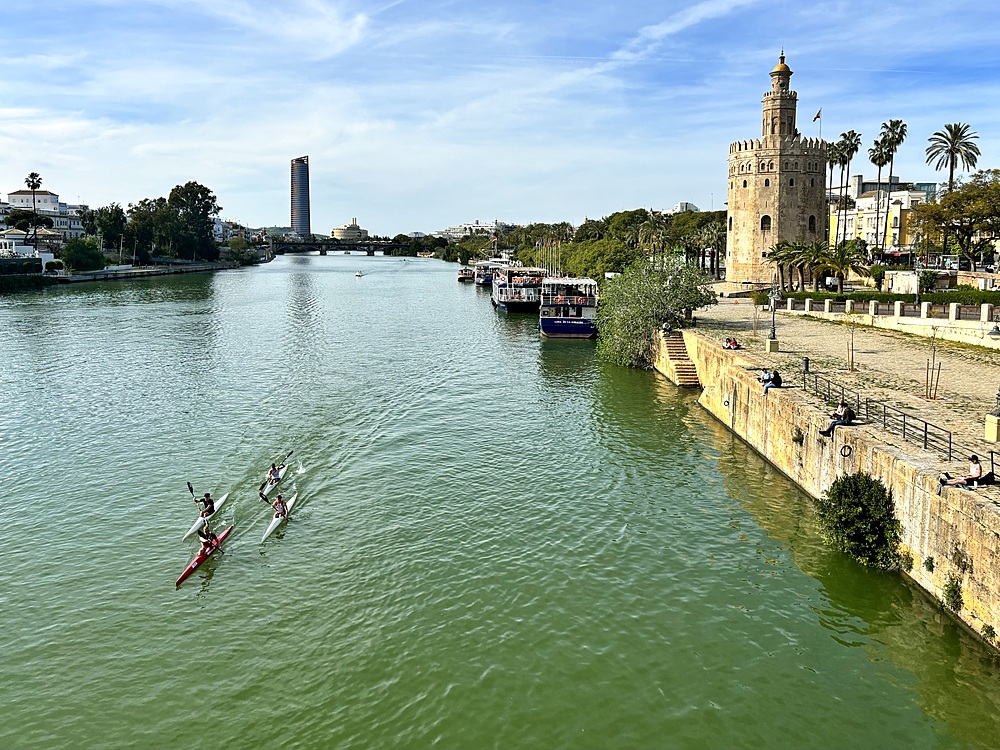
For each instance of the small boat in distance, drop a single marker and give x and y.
(466, 274)
(568, 306)
(359, 274)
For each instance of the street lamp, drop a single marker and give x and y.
(773, 297)
(995, 336)
(916, 272)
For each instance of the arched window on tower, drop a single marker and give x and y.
(730, 223)
(767, 183)
(744, 183)
(765, 223)
(812, 223)
(770, 165)
(812, 182)
(791, 182)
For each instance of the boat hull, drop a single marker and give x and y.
(567, 328)
(200, 558)
(269, 486)
(276, 522)
(201, 519)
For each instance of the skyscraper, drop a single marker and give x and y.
(300, 196)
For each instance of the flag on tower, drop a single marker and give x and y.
(818, 114)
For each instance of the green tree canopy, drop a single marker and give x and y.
(970, 213)
(110, 222)
(83, 254)
(24, 220)
(634, 306)
(192, 209)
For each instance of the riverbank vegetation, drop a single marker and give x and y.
(637, 303)
(858, 517)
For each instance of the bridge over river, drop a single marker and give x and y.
(330, 245)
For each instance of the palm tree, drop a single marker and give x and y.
(879, 155)
(713, 236)
(33, 182)
(947, 148)
(953, 145)
(832, 160)
(850, 145)
(893, 135)
(654, 234)
(843, 259)
(780, 254)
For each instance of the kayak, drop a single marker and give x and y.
(200, 558)
(277, 521)
(268, 486)
(201, 520)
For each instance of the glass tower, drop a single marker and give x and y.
(300, 196)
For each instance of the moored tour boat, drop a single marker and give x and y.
(567, 308)
(517, 289)
(466, 274)
(483, 275)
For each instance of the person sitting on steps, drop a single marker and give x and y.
(972, 478)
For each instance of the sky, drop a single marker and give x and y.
(418, 115)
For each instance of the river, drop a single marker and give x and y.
(499, 542)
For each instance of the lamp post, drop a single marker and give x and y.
(995, 336)
(773, 297)
(916, 272)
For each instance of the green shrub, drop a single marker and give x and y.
(953, 592)
(929, 564)
(857, 516)
(906, 562)
(989, 633)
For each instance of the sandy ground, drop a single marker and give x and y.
(889, 367)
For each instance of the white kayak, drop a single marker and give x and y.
(268, 486)
(201, 519)
(278, 520)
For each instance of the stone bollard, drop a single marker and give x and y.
(790, 305)
(986, 313)
(925, 309)
(954, 311)
(897, 309)
(848, 307)
(827, 305)
(873, 308)
(809, 306)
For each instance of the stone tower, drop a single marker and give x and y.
(777, 187)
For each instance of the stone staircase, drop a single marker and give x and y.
(685, 372)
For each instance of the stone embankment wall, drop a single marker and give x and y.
(958, 530)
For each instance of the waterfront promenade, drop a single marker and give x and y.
(890, 367)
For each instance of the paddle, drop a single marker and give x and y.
(264, 483)
(263, 497)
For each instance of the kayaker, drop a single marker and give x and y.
(274, 474)
(209, 541)
(209, 504)
(280, 508)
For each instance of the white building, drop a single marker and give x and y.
(484, 229)
(683, 206)
(349, 232)
(65, 217)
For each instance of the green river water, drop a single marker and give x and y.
(499, 541)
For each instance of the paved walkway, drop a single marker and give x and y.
(889, 366)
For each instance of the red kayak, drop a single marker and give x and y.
(200, 558)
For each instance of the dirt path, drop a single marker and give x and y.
(890, 367)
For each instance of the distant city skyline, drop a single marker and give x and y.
(418, 117)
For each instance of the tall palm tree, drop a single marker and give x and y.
(713, 237)
(851, 144)
(33, 181)
(893, 134)
(780, 254)
(879, 155)
(948, 147)
(654, 235)
(832, 160)
(814, 257)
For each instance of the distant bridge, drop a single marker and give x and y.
(327, 245)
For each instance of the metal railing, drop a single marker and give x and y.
(912, 429)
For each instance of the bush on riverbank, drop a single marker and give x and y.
(857, 516)
(22, 282)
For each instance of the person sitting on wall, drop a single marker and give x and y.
(734, 344)
(844, 415)
(773, 381)
(764, 377)
(972, 478)
(667, 329)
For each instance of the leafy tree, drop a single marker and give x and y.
(970, 213)
(25, 220)
(191, 210)
(83, 254)
(624, 226)
(591, 229)
(857, 516)
(635, 304)
(893, 135)
(109, 222)
(846, 257)
(148, 226)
